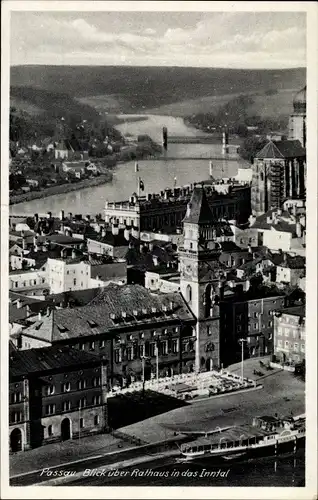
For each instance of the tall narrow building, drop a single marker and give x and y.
(297, 120)
(201, 276)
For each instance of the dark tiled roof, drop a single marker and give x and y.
(109, 271)
(199, 210)
(74, 298)
(281, 150)
(295, 311)
(115, 240)
(293, 262)
(32, 361)
(230, 246)
(282, 225)
(95, 318)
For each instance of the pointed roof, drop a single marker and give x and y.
(281, 150)
(198, 210)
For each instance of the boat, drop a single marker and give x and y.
(266, 435)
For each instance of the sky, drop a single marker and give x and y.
(195, 39)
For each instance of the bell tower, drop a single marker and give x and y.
(201, 277)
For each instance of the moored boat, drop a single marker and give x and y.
(266, 435)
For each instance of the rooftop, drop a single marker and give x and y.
(281, 150)
(46, 359)
(295, 311)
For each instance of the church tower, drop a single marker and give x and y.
(200, 277)
(297, 120)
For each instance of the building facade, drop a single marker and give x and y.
(167, 209)
(290, 335)
(54, 394)
(250, 317)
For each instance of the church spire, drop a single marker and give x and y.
(198, 210)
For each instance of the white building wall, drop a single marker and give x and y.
(27, 279)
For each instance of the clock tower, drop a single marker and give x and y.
(201, 277)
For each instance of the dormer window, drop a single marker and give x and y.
(92, 323)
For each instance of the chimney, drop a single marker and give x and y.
(88, 218)
(39, 316)
(155, 260)
(103, 231)
(115, 229)
(149, 196)
(298, 230)
(24, 246)
(36, 217)
(73, 253)
(63, 253)
(70, 215)
(279, 212)
(249, 249)
(49, 214)
(166, 194)
(61, 214)
(285, 258)
(294, 209)
(127, 233)
(268, 219)
(48, 311)
(35, 244)
(19, 304)
(45, 246)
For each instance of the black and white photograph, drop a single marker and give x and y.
(158, 163)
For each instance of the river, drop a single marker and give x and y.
(156, 174)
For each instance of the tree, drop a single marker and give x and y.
(251, 146)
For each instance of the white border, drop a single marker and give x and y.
(310, 491)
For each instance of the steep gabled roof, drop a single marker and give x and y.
(198, 211)
(281, 149)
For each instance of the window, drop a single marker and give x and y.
(175, 346)
(249, 327)
(141, 350)
(129, 337)
(74, 281)
(248, 340)
(296, 347)
(16, 397)
(66, 387)
(279, 343)
(129, 353)
(66, 405)
(117, 356)
(81, 423)
(82, 403)
(67, 272)
(96, 420)
(50, 409)
(82, 346)
(81, 384)
(286, 343)
(97, 400)
(152, 349)
(164, 348)
(176, 330)
(92, 345)
(102, 343)
(189, 293)
(49, 390)
(153, 333)
(96, 381)
(50, 430)
(16, 416)
(191, 245)
(270, 323)
(255, 326)
(142, 335)
(302, 347)
(255, 315)
(208, 330)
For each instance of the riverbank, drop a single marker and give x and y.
(61, 189)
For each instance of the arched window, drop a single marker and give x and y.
(189, 293)
(207, 301)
